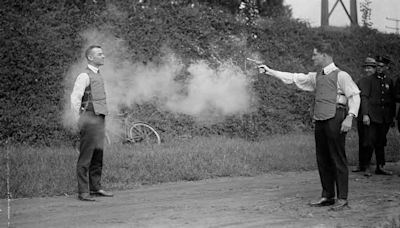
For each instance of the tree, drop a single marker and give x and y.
(273, 8)
(365, 9)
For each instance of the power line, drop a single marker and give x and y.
(397, 28)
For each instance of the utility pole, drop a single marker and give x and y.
(397, 24)
(325, 13)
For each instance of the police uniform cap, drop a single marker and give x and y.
(383, 59)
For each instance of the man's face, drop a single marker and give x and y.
(318, 58)
(369, 70)
(96, 57)
(381, 67)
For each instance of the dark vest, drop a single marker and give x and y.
(94, 98)
(326, 96)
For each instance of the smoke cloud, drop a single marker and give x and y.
(206, 92)
(213, 92)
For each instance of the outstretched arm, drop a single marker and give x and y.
(303, 81)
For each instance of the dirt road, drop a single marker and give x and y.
(273, 200)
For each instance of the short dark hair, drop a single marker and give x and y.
(324, 48)
(89, 49)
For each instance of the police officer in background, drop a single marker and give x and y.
(88, 102)
(397, 97)
(377, 113)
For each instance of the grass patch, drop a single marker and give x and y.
(44, 171)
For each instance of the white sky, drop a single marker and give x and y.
(310, 10)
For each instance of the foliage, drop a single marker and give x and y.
(40, 41)
(273, 8)
(365, 9)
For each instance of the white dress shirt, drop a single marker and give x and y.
(81, 82)
(307, 82)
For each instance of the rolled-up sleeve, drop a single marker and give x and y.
(350, 90)
(302, 81)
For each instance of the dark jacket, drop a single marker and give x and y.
(397, 95)
(377, 98)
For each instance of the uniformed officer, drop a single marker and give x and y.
(88, 101)
(377, 111)
(397, 97)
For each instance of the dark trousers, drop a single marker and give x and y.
(90, 161)
(372, 138)
(365, 148)
(331, 156)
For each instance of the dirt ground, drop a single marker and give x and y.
(272, 200)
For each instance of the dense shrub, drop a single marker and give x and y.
(40, 40)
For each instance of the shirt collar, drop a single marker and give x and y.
(329, 69)
(93, 68)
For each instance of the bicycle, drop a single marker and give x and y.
(132, 131)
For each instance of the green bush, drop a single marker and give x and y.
(41, 41)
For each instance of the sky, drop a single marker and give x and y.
(310, 10)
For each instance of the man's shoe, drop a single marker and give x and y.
(381, 171)
(85, 197)
(101, 193)
(358, 169)
(341, 204)
(323, 202)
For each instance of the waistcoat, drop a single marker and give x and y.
(94, 98)
(325, 96)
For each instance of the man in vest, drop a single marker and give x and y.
(88, 101)
(378, 109)
(337, 101)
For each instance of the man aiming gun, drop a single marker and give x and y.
(337, 101)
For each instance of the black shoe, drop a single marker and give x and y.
(381, 171)
(101, 193)
(341, 204)
(358, 169)
(85, 197)
(323, 202)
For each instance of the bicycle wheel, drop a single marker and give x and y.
(143, 133)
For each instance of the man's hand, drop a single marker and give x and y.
(366, 120)
(346, 124)
(264, 69)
